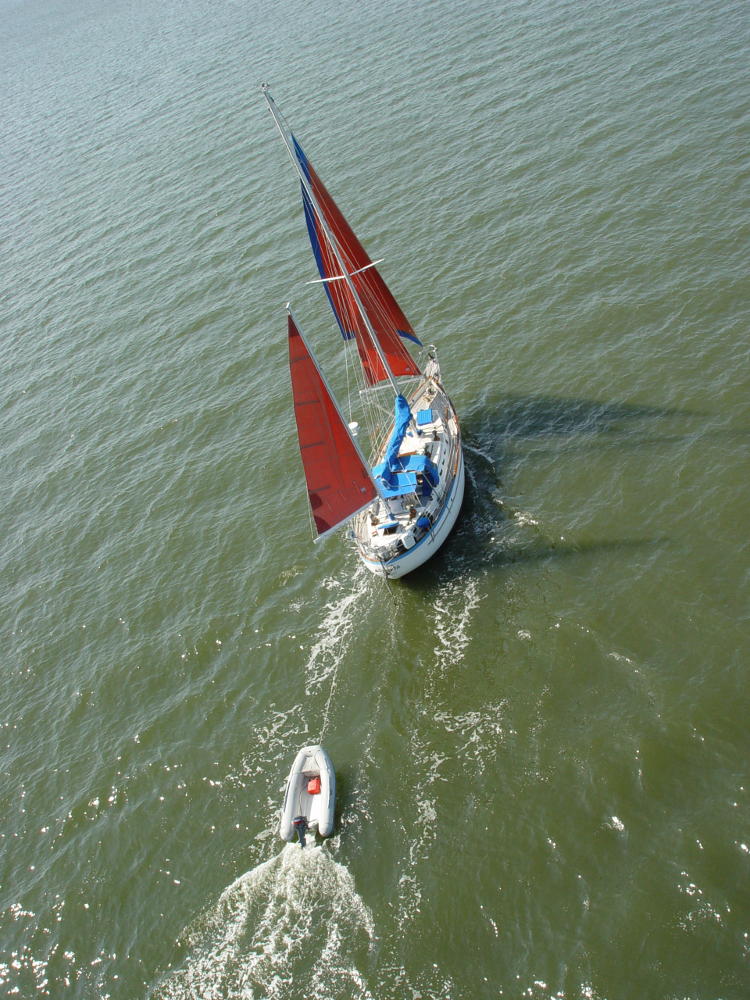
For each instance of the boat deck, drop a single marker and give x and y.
(394, 525)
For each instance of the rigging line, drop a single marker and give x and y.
(342, 277)
(388, 583)
(327, 709)
(389, 588)
(335, 673)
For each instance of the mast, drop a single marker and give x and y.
(332, 242)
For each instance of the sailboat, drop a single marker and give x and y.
(402, 502)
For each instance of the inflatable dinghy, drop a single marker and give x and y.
(310, 796)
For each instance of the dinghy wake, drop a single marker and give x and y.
(293, 927)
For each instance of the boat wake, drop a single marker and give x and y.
(337, 626)
(452, 613)
(294, 926)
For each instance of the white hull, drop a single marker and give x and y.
(318, 810)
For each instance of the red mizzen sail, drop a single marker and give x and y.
(383, 312)
(339, 483)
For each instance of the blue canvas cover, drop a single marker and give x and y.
(401, 418)
(397, 475)
(423, 465)
(392, 484)
(398, 481)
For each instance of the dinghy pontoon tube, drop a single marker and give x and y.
(310, 796)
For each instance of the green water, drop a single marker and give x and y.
(541, 738)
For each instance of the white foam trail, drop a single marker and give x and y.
(337, 626)
(292, 927)
(452, 611)
(525, 519)
(482, 732)
(334, 633)
(451, 617)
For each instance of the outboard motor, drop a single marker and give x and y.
(300, 825)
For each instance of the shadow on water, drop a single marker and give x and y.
(577, 424)
(469, 550)
(490, 532)
(524, 417)
(488, 536)
(519, 424)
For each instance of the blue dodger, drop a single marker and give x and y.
(398, 476)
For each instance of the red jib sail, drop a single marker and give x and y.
(383, 312)
(339, 483)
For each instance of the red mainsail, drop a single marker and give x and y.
(383, 312)
(339, 483)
